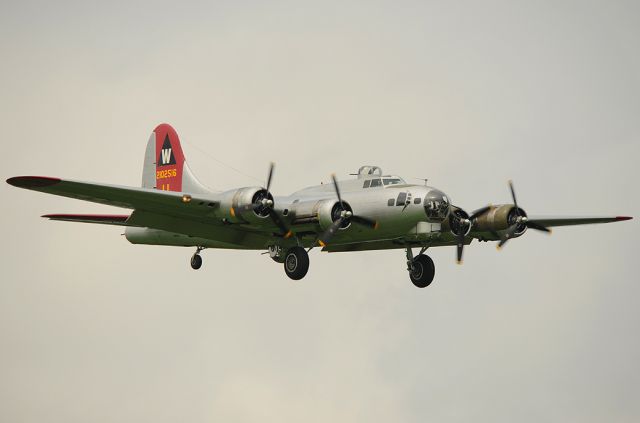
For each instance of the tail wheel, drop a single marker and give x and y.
(196, 261)
(422, 271)
(296, 263)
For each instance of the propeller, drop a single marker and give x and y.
(345, 216)
(519, 220)
(263, 204)
(463, 222)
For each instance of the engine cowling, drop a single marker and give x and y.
(501, 217)
(238, 205)
(330, 210)
(454, 222)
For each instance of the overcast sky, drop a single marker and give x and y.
(467, 94)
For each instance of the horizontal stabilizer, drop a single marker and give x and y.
(105, 219)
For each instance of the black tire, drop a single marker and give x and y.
(296, 263)
(196, 262)
(423, 271)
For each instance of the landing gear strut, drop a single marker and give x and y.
(421, 268)
(196, 260)
(296, 263)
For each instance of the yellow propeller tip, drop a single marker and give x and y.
(322, 244)
(288, 235)
(459, 261)
(376, 226)
(232, 211)
(498, 247)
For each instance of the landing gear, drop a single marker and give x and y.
(421, 269)
(276, 253)
(296, 263)
(196, 259)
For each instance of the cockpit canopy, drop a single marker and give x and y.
(384, 181)
(373, 177)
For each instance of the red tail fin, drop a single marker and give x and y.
(169, 158)
(165, 167)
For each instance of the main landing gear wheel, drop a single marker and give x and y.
(296, 263)
(422, 271)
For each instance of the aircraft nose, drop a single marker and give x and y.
(436, 205)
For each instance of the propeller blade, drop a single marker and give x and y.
(460, 245)
(513, 195)
(538, 227)
(335, 184)
(365, 221)
(508, 235)
(271, 166)
(330, 232)
(480, 212)
(286, 232)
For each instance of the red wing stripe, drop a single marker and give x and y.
(621, 218)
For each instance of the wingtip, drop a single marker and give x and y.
(622, 218)
(32, 181)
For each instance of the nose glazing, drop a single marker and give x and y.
(436, 205)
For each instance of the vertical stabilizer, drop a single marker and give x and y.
(165, 167)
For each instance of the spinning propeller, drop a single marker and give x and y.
(519, 221)
(465, 223)
(345, 215)
(263, 206)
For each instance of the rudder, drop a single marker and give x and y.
(165, 167)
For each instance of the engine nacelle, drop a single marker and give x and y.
(499, 218)
(234, 203)
(329, 211)
(453, 222)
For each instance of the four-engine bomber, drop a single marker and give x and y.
(370, 212)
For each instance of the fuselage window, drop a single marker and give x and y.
(366, 183)
(391, 202)
(417, 200)
(394, 181)
(402, 197)
(376, 183)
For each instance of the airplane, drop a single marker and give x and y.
(373, 211)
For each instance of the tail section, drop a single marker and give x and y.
(165, 167)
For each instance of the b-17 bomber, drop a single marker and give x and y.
(372, 211)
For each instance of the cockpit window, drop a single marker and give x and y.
(376, 183)
(366, 183)
(392, 181)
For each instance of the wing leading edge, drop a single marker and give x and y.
(570, 221)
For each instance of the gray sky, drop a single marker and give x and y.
(468, 94)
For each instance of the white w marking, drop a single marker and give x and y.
(166, 156)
